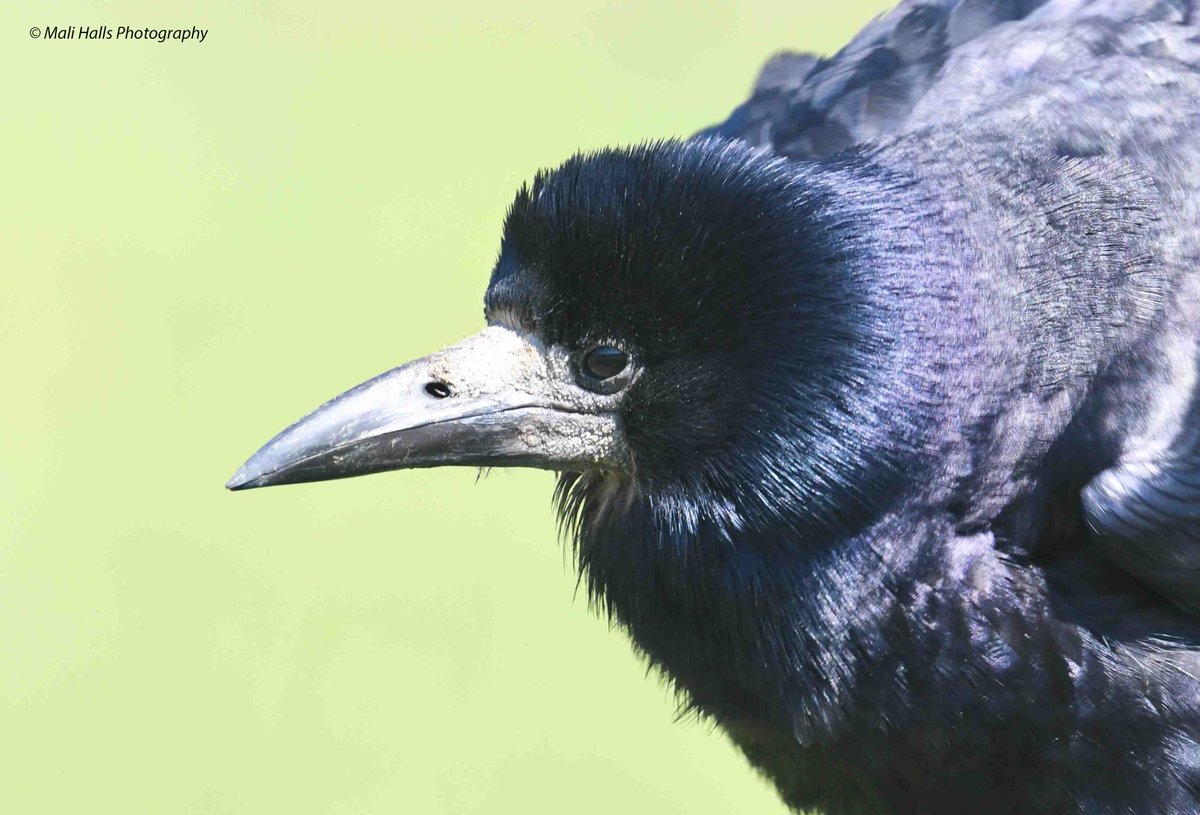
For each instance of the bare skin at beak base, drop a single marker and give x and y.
(497, 398)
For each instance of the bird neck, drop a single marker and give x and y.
(763, 629)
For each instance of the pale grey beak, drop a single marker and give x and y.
(495, 399)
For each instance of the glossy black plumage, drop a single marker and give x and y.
(882, 382)
(905, 494)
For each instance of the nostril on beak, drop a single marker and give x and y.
(438, 390)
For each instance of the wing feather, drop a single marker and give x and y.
(1146, 517)
(934, 60)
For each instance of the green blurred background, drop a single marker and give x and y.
(200, 242)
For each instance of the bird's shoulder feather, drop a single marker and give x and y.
(939, 61)
(1144, 510)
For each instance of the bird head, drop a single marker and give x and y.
(684, 321)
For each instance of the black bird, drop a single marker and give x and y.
(875, 408)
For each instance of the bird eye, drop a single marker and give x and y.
(605, 361)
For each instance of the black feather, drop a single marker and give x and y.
(877, 382)
(882, 405)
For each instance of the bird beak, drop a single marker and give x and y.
(498, 398)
